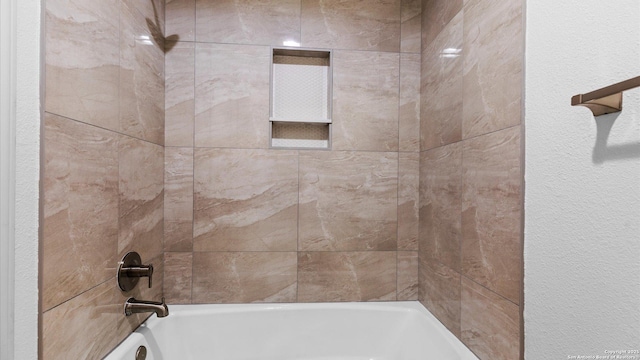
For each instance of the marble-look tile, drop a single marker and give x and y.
(441, 204)
(411, 26)
(242, 277)
(141, 77)
(346, 276)
(178, 199)
(442, 88)
(408, 200)
(407, 275)
(180, 95)
(348, 201)
(178, 268)
(83, 327)
(245, 200)
(232, 96)
(490, 325)
(352, 25)
(141, 197)
(152, 14)
(80, 208)
(409, 115)
(181, 19)
(436, 14)
(82, 60)
(439, 291)
(493, 65)
(127, 324)
(365, 100)
(265, 22)
(491, 205)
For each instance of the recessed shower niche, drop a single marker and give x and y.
(300, 114)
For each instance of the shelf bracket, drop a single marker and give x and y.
(606, 100)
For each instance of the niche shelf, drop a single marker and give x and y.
(300, 111)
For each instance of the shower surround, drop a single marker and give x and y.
(168, 154)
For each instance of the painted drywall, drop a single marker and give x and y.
(27, 178)
(582, 200)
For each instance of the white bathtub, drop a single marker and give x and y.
(333, 331)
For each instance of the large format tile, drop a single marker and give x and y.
(352, 25)
(266, 22)
(442, 88)
(82, 60)
(178, 276)
(439, 291)
(232, 96)
(365, 100)
(441, 204)
(241, 277)
(411, 26)
(493, 62)
(491, 205)
(178, 199)
(181, 19)
(409, 114)
(83, 327)
(245, 200)
(436, 14)
(346, 276)
(407, 275)
(141, 77)
(490, 325)
(408, 200)
(180, 95)
(348, 201)
(141, 197)
(80, 208)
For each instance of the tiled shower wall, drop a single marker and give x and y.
(245, 223)
(471, 172)
(103, 168)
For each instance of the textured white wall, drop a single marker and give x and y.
(582, 206)
(27, 178)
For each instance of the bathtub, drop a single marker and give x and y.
(326, 331)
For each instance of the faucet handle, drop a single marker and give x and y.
(130, 270)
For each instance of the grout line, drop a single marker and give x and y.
(78, 294)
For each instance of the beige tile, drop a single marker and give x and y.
(441, 204)
(365, 101)
(348, 201)
(127, 324)
(346, 276)
(178, 199)
(490, 324)
(491, 205)
(232, 96)
(141, 197)
(180, 95)
(493, 62)
(80, 208)
(178, 268)
(152, 14)
(407, 275)
(181, 19)
(442, 88)
(439, 291)
(266, 22)
(241, 277)
(82, 60)
(351, 25)
(436, 14)
(141, 77)
(409, 116)
(83, 327)
(245, 200)
(411, 26)
(408, 200)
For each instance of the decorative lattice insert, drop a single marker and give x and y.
(300, 135)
